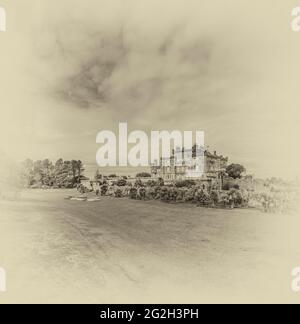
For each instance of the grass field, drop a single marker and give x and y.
(118, 250)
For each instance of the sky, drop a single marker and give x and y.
(70, 69)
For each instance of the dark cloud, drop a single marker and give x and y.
(89, 85)
(123, 73)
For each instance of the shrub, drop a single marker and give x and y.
(164, 194)
(189, 194)
(226, 186)
(118, 193)
(161, 182)
(141, 193)
(203, 198)
(138, 183)
(151, 183)
(214, 195)
(157, 192)
(173, 194)
(230, 185)
(185, 183)
(224, 199)
(121, 183)
(104, 190)
(133, 193)
(143, 175)
(181, 195)
(237, 197)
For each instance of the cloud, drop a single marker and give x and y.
(129, 69)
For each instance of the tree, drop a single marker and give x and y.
(38, 173)
(80, 170)
(64, 174)
(74, 167)
(77, 171)
(235, 171)
(222, 175)
(27, 173)
(47, 172)
(58, 176)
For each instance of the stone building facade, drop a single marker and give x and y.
(208, 169)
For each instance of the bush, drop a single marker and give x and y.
(149, 192)
(121, 183)
(230, 185)
(157, 192)
(164, 194)
(214, 195)
(143, 175)
(181, 195)
(185, 183)
(189, 194)
(133, 193)
(226, 186)
(161, 182)
(224, 199)
(141, 193)
(138, 183)
(203, 198)
(151, 183)
(118, 193)
(104, 190)
(237, 197)
(173, 194)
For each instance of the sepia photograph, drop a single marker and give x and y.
(149, 154)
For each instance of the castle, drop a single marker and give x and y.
(208, 170)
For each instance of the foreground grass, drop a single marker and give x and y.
(119, 250)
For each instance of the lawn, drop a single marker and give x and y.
(119, 250)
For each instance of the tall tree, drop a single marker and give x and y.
(67, 175)
(58, 175)
(38, 173)
(74, 166)
(47, 172)
(80, 169)
(27, 173)
(235, 171)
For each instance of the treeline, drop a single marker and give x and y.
(43, 173)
